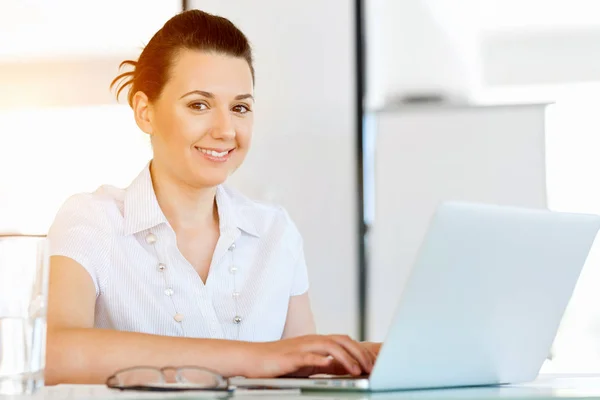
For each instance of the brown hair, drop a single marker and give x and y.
(193, 30)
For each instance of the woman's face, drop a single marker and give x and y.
(201, 124)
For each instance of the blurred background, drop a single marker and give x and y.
(369, 113)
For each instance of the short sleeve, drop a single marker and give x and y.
(300, 284)
(79, 232)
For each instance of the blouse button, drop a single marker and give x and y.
(151, 238)
(232, 247)
(237, 319)
(178, 317)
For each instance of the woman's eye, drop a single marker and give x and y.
(198, 106)
(241, 109)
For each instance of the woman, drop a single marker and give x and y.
(178, 269)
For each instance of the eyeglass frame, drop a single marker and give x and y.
(223, 384)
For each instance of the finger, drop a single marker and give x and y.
(328, 346)
(357, 350)
(334, 368)
(306, 364)
(375, 347)
(373, 350)
(313, 360)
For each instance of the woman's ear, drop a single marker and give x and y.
(142, 112)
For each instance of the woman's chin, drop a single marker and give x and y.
(211, 180)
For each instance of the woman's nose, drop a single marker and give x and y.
(223, 126)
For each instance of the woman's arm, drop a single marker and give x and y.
(300, 320)
(79, 353)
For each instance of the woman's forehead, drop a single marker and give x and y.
(209, 71)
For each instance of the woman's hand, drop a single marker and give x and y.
(373, 349)
(336, 368)
(309, 355)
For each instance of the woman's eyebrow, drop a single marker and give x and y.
(200, 92)
(212, 96)
(244, 96)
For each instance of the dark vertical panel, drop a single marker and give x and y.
(359, 39)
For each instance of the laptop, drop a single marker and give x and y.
(482, 304)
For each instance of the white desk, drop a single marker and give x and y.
(546, 386)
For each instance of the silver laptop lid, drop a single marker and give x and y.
(485, 297)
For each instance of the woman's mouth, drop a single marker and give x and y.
(215, 155)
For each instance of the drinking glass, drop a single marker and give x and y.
(24, 268)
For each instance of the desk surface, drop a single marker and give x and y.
(546, 386)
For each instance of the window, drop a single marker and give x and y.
(61, 131)
(49, 154)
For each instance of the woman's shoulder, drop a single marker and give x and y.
(101, 209)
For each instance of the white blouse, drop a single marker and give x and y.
(144, 284)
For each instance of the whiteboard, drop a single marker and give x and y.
(423, 156)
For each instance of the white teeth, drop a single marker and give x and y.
(214, 153)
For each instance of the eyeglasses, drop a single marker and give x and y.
(168, 379)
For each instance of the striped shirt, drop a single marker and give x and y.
(144, 284)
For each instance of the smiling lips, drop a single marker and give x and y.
(215, 155)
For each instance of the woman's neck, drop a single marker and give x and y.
(185, 207)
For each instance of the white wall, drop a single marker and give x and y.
(462, 48)
(36, 29)
(421, 46)
(541, 56)
(539, 42)
(64, 53)
(303, 148)
(71, 82)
